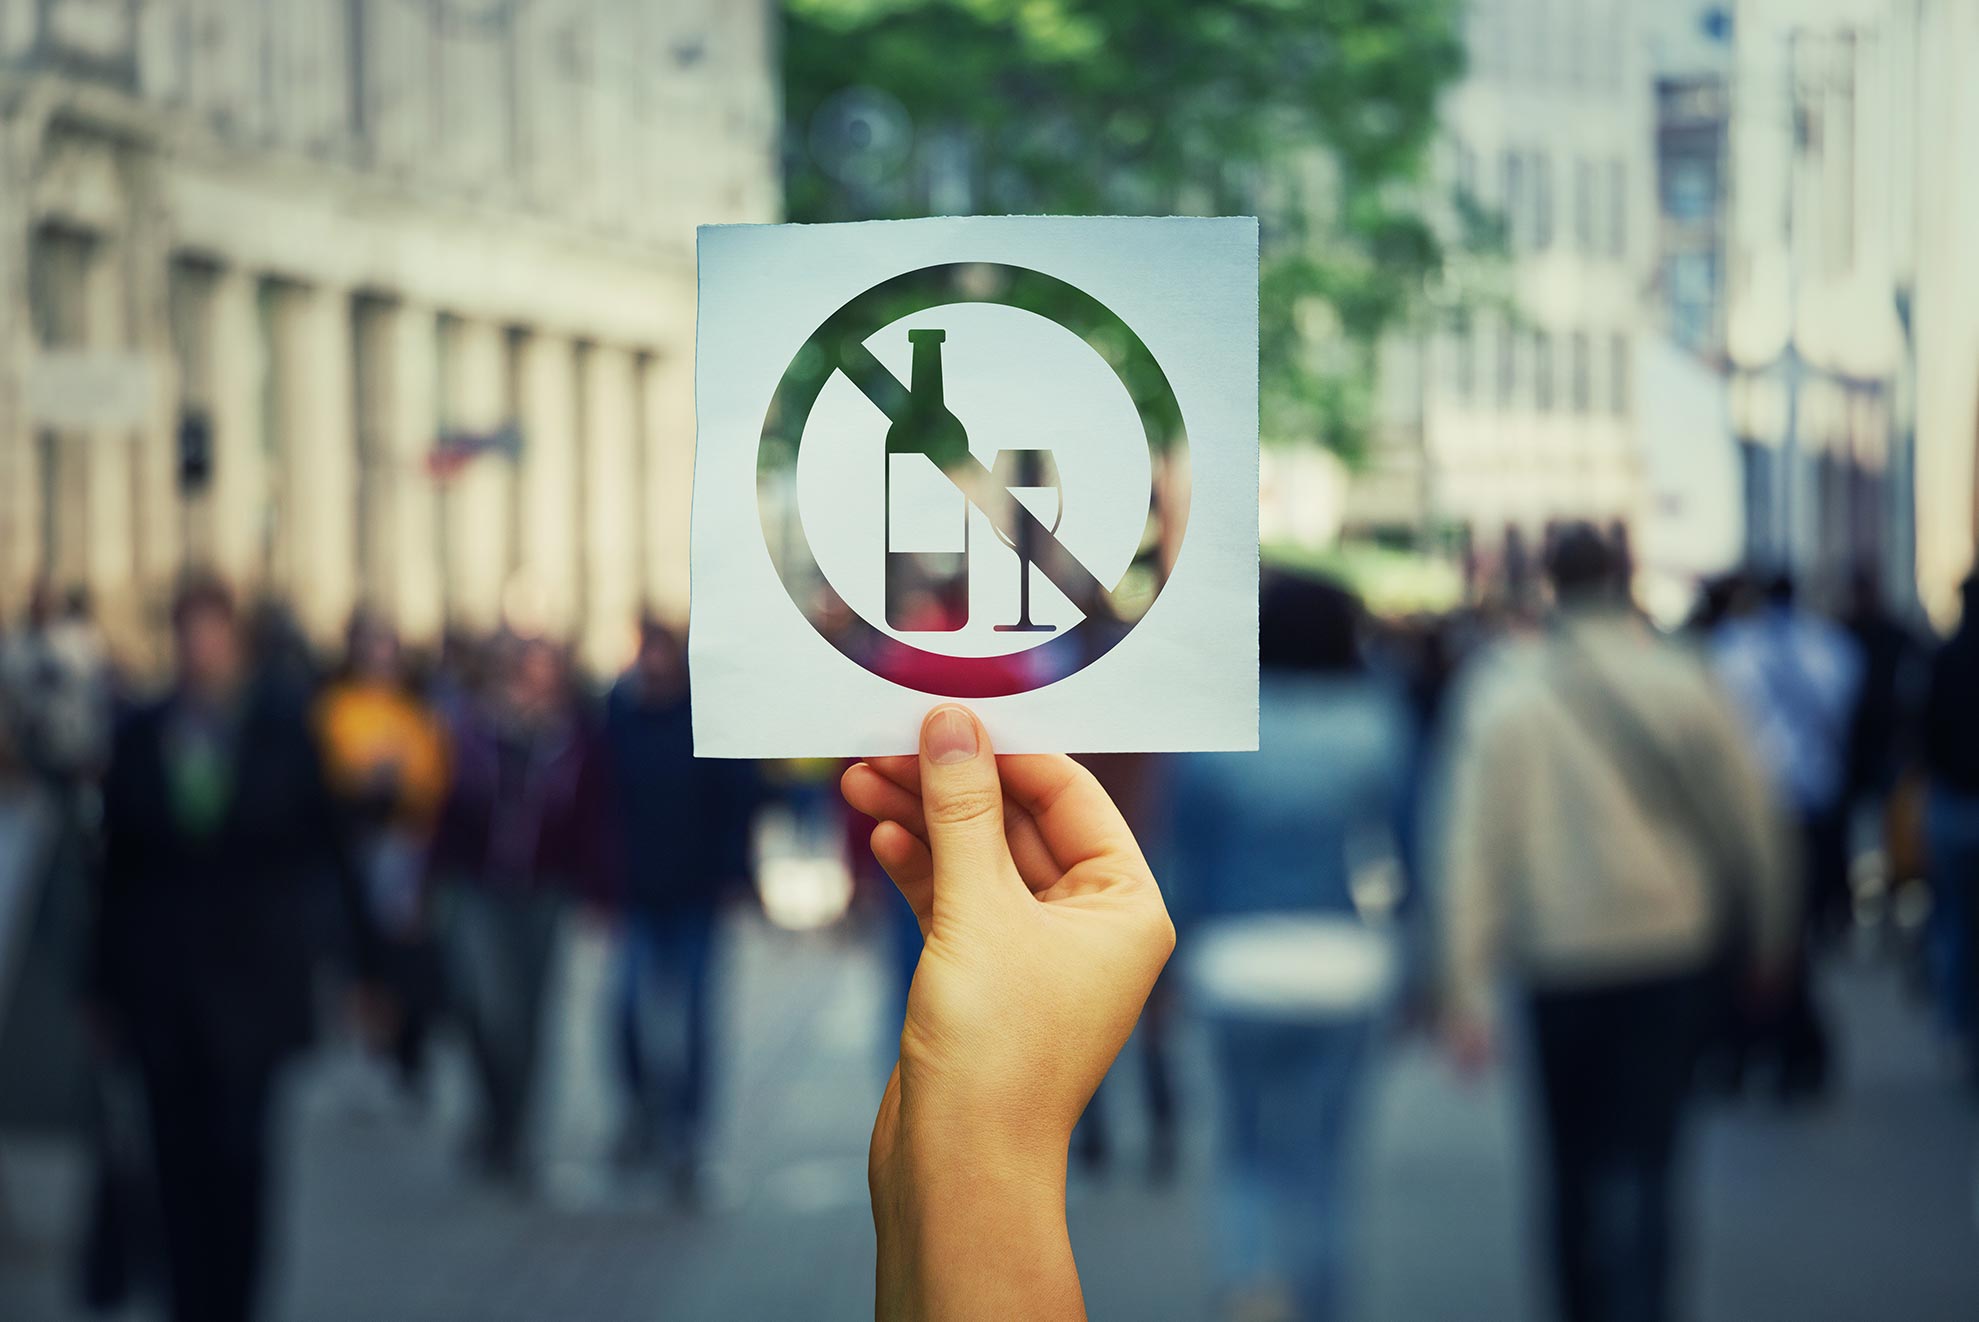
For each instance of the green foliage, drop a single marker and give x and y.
(1317, 115)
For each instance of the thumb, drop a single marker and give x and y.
(962, 798)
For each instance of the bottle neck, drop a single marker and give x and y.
(926, 386)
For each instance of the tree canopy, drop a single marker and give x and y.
(1316, 115)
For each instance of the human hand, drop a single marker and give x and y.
(1044, 933)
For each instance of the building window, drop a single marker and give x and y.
(1463, 361)
(1513, 200)
(1619, 362)
(1542, 371)
(1690, 189)
(1508, 363)
(1583, 204)
(1583, 388)
(1542, 200)
(1618, 208)
(1691, 279)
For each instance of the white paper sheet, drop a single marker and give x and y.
(803, 643)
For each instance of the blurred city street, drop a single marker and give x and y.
(382, 1223)
(387, 935)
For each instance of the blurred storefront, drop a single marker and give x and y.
(381, 301)
(1854, 324)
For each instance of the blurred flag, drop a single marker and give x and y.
(453, 450)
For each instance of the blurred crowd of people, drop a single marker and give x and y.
(213, 865)
(1630, 850)
(1626, 849)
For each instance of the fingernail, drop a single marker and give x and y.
(950, 736)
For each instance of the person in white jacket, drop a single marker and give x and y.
(1609, 843)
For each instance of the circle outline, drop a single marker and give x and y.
(880, 305)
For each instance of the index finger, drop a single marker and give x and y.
(1074, 813)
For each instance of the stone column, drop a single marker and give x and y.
(668, 399)
(239, 498)
(60, 263)
(161, 515)
(611, 510)
(20, 478)
(318, 457)
(548, 399)
(477, 499)
(409, 407)
(107, 526)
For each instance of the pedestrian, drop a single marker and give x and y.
(55, 677)
(1882, 721)
(57, 691)
(20, 810)
(1609, 842)
(1281, 968)
(1951, 766)
(1794, 679)
(56, 698)
(387, 761)
(521, 834)
(684, 826)
(218, 827)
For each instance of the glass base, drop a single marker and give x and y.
(1024, 626)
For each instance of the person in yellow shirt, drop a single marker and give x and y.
(385, 755)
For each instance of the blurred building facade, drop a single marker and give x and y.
(1853, 332)
(1691, 62)
(366, 301)
(1503, 420)
(1693, 519)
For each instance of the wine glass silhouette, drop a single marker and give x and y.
(1029, 470)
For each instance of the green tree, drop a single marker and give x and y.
(1317, 115)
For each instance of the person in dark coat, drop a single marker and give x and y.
(684, 832)
(1882, 724)
(1951, 767)
(218, 833)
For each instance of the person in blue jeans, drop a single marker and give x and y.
(1951, 762)
(1279, 968)
(684, 835)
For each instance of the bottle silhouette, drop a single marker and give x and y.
(927, 578)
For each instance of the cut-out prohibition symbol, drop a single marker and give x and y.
(1109, 610)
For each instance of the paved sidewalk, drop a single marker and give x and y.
(1859, 1211)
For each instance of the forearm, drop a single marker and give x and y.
(970, 1230)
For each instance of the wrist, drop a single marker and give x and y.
(959, 1165)
(963, 1215)
(955, 1130)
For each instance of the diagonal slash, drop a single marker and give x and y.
(1010, 517)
